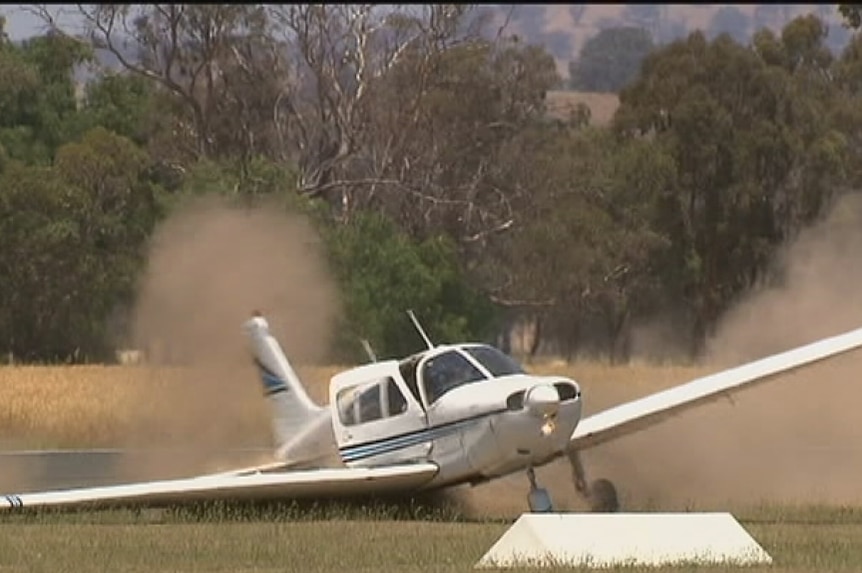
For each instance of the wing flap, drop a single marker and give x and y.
(335, 482)
(639, 414)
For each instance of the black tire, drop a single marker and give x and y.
(603, 497)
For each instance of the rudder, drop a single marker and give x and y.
(293, 410)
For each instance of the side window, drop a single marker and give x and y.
(369, 404)
(345, 404)
(408, 372)
(397, 403)
(365, 402)
(445, 372)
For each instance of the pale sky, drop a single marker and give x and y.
(21, 24)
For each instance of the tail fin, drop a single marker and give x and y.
(293, 411)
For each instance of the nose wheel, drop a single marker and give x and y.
(538, 498)
(601, 494)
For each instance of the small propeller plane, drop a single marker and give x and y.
(448, 415)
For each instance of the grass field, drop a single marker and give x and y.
(690, 463)
(106, 406)
(799, 539)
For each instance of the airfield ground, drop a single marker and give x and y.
(784, 458)
(793, 440)
(799, 540)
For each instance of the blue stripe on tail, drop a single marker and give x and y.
(272, 384)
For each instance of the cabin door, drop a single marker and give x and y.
(378, 422)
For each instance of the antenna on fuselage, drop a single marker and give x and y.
(368, 350)
(419, 328)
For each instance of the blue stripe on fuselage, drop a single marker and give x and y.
(394, 443)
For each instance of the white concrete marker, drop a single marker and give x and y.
(612, 539)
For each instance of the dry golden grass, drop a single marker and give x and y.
(97, 406)
(602, 105)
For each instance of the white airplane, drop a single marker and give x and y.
(451, 414)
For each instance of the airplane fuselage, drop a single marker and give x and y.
(490, 440)
(473, 431)
(469, 409)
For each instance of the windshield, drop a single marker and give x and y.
(445, 372)
(495, 361)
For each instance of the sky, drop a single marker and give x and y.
(21, 24)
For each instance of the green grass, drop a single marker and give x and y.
(325, 538)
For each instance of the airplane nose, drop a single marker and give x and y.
(542, 400)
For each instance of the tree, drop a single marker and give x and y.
(852, 14)
(610, 60)
(37, 97)
(73, 237)
(338, 55)
(672, 31)
(122, 103)
(531, 19)
(755, 155)
(846, 112)
(577, 258)
(383, 273)
(185, 49)
(646, 16)
(730, 20)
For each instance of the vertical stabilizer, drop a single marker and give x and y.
(293, 411)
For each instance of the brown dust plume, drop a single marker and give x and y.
(209, 267)
(797, 438)
(793, 439)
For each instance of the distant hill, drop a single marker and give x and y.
(563, 29)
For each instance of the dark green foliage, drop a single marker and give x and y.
(610, 60)
(756, 158)
(121, 103)
(431, 170)
(37, 95)
(852, 14)
(72, 247)
(383, 274)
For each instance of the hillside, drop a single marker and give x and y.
(563, 29)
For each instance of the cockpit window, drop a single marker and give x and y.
(445, 372)
(496, 362)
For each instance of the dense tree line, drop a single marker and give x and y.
(420, 144)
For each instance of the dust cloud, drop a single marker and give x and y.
(797, 439)
(210, 266)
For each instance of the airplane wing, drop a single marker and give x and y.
(639, 414)
(334, 482)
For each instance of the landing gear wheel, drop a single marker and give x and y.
(540, 501)
(603, 497)
(538, 498)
